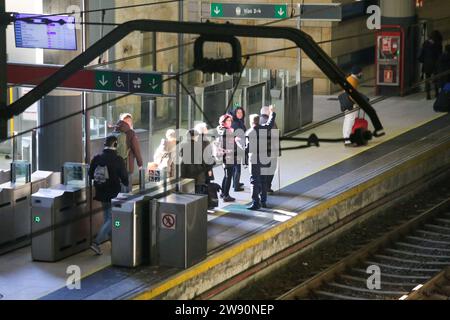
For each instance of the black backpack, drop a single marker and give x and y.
(442, 103)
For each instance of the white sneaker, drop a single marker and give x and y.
(95, 247)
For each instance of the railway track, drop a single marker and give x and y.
(391, 267)
(437, 288)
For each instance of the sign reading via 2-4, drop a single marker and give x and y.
(148, 83)
(248, 11)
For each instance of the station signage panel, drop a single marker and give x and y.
(52, 32)
(318, 12)
(91, 80)
(248, 11)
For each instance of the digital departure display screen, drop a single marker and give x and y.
(52, 32)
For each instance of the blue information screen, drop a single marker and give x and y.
(51, 32)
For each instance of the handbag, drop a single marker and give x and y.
(345, 101)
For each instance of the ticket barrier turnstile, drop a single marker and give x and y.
(62, 224)
(134, 227)
(15, 205)
(5, 176)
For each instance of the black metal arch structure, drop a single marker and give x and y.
(301, 39)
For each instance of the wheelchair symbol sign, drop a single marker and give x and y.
(119, 83)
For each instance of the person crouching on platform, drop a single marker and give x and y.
(108, 172)
(253, 148)
(350, 116)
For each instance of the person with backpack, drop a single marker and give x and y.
(429, 56)
(128, 146)
(108, 172)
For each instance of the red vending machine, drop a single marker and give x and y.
(390, 60)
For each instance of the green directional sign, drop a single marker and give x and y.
(281, 11)
(144, 83)
(248, 11)
(37, 219)
(117, 224)
(103, 81)
(216, 10)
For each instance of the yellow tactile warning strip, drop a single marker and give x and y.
(259, 238)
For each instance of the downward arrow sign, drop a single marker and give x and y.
(154, 85)
(280, 12)
(216, 10)
(103, 81)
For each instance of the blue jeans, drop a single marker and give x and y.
(259, 184)
(106, 229)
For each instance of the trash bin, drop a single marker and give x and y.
(182, 230)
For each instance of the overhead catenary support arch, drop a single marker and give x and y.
(301, 39)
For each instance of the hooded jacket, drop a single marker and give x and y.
(132, 145)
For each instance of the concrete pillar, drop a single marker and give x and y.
(402, 12)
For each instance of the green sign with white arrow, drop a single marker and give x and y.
(248, 11)
(216, 10)
(145, 83)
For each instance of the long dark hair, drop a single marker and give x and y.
(436, 36)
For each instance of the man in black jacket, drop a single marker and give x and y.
(272, 153)
(108, 172)
(257, 158)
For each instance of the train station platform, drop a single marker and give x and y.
(317, 189)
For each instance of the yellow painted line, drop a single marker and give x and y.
(257, 239)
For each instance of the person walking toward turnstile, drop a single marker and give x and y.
(255, 156)
(350, 116)
(429, 56)
(108, 172)
(239, 128)
(128, 146)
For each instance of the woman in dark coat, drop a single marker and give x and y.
(429, 56)
(239, 131)
(225, 151)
